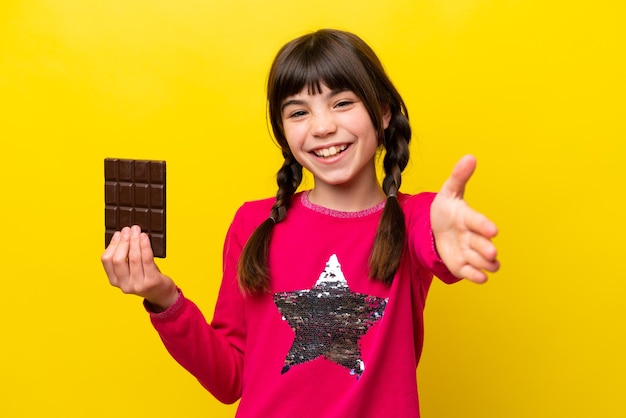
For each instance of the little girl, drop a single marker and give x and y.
(320, 308)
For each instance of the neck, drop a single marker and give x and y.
(347, 198)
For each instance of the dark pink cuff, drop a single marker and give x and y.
(439, 267)
(169, 312)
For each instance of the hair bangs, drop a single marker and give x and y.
(310, 69)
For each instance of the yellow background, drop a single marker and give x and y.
(534, 88)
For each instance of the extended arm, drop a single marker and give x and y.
(463, 236)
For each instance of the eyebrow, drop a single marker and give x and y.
(298, 102)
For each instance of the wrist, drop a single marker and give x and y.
(162, 302)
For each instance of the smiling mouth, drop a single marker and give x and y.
(330, 151)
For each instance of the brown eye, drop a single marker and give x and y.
(344, 103)
(297, 114)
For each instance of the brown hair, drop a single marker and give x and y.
(339, 60)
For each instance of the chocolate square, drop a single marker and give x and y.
(134, 194)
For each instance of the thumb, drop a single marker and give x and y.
(454, 186)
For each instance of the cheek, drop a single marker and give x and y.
(294, 137)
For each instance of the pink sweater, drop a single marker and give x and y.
(327, 341)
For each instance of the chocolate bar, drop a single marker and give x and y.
(134, 194)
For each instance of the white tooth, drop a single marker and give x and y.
(332, 150)
(325, 152)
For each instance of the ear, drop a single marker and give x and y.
(386, 116)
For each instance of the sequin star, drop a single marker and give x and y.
(329, 320)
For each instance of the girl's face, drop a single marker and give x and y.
(331, 134)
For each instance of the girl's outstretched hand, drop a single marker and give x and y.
(462, 235)
(129, 265)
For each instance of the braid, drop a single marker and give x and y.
(389, 241)
(288, 179)
(252, 268)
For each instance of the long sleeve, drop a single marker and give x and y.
(213, 353)
(201, 349)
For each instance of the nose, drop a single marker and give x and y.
(322, 124)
